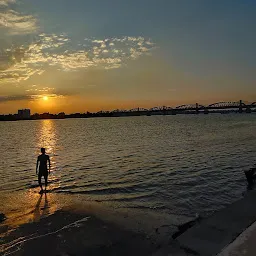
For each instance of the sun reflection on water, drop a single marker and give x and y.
(47, 138)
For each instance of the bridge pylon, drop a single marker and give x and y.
(240, 106)
(197, 108)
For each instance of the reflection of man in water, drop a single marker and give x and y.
(43, 171)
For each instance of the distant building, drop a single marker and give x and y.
(24, 113)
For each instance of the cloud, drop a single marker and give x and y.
(97, 41)
(14, 22)
(15, 98)
(40, 89)
(51, 96)
(103, 45)
(17, 72)
(57, 51)
(30, 97)
(6, 2)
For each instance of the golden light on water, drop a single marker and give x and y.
(47, 138)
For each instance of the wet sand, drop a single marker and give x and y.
(65, 233)
(51, 224)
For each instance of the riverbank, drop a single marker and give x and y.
(67, 233)
(68, 225)
(52, 224)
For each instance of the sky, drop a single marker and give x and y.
(91, 55)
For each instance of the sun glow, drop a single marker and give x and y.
(45, 98)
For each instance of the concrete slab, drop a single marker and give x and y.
(244, 245)
(214, 233)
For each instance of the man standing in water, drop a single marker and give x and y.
(43, 171)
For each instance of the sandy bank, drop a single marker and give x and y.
(65, 233)
(58, 225)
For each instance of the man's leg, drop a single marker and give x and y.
(39, 181)
(46, 180)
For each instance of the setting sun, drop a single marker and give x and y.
(45, 98)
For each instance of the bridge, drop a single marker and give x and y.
(235, 106)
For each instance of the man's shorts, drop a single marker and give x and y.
(43, 172)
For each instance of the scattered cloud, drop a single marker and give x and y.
(20, 63)
(15, 98)
(50, 96)
(14, 22)
(40, 89)
(97, 41)
(6, 2)
(30, 97)
(103, 45)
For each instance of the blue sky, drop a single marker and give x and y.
(125, 53)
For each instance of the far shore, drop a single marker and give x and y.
(59, 116)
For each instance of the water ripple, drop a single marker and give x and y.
(177, 164)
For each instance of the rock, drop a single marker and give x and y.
(2, 217)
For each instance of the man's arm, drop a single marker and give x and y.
(37, 162)
(49, 164)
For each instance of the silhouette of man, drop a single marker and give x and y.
(43, 171)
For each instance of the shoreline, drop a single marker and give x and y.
(98, 229)
(173, 112)
(66, 233)
(86, 227)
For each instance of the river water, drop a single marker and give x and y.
(181, 165)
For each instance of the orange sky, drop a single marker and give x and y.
(187, 53)
(145, 82)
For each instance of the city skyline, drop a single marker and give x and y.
(95, 55)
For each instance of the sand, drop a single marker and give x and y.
(65, 233)
(51, 224)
